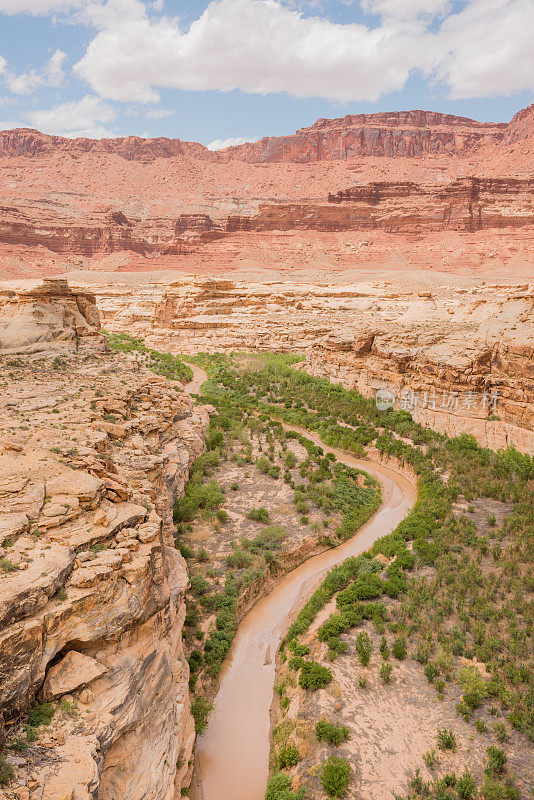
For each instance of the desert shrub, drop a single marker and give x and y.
(385, 671)
(19, 745)
(197, 496)
(279, 788)
(399, 648)
(366, 587)
(494, 789)
(474, 687)
(299, 649)
(199, 585)
(6, 772)
(314, 676)
(40, 714)
(466, 786)
(263, 465)
(239, 559)
(430, 758)
(200, 710)
(446, 739)
(384, 649)
(497, 759)
(270, 538)
(335, 776)
(288, 756)
(333, 734)
(364, 648)
(259, 515)
(222, 515)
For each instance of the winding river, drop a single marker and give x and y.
(233, 753)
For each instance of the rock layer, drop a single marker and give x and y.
(146, 204)
(445, 353)
(93, 452)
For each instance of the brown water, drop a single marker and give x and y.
(233, 754)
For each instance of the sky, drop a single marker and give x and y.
(229, 71)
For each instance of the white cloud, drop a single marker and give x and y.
(159, 113)
(220, 144)
(486, 50)
(36, 7)
(405, 9)
(253, 45)
(77, 118)
(52, 74)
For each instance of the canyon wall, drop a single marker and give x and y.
(391, 134)
(468, 204)
(426, 183)
(93, 450)
(459, 360)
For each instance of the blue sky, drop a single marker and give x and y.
(242, 69)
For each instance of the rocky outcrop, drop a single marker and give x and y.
(99, 234)
(468, 204)
(521, 127)
(449, 379)
(403, 134)
(49, 318)
(34, 144)
(91, 586)
(459, 360)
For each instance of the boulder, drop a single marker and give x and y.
(73, 671)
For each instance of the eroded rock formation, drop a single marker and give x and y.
(49, 318)
(457, 359)
(147, 204)
(93, 452)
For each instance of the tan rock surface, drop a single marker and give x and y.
(457, 354)
(74, 670)
(91, 587)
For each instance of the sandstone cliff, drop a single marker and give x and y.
(444, 352)
(392, 134)
(146, 204)
(93, 450)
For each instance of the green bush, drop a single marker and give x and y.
(446, 739)
(40, 714)
(279, 788)
(335, 776)
(333, 734)
(200, 710)
(466, 786)
(199, 585)
(259, 515)
(364, 648)
(497, 759)
(399, 648)
(270, 538)
(197, 496)
(314, 676)
(385, 671)
(288, 756)
(7, 772)
(239, 559)
(474, 687)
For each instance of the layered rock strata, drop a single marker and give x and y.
(457, 359)
(150, 204)
(93, 451)
(49, 318)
